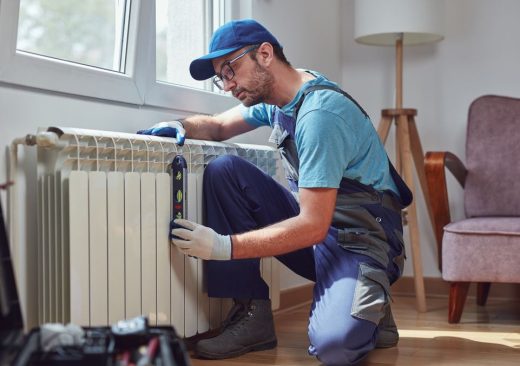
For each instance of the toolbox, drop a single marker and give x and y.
(128, 342)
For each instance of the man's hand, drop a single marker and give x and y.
(167, 129)
(201, 241)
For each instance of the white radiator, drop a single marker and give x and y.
(104, 203)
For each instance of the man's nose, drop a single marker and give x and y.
(229, 85)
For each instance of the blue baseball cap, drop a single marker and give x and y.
(227, 39)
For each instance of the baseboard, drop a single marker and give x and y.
(434, 287)
(437, 287)
(295, 296)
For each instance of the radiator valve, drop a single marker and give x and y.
(46, 139)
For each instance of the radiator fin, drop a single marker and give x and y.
(132, 245)
(163, 288)
(79, 249)
(116, 246)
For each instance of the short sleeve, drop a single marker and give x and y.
(257, 115)
(326, 145)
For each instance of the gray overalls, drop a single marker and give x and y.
(366, 234)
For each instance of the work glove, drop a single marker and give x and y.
(201, 241)
(167, 129)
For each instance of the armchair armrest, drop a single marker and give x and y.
(434, 166)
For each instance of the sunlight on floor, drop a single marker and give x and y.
(506, 339)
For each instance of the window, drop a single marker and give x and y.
(182, 37)
(89, 32)
(130, 51)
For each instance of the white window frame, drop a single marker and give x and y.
(30, 70)
(161, 94)
(137, 86)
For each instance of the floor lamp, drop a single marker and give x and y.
(398, 23)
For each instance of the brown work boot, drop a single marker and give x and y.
(387, 335)
(248, 327)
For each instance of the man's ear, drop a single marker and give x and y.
(265, 54)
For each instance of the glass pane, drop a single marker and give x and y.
(89, 32)
(181, 37)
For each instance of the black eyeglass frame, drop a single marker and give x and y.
(226, 71)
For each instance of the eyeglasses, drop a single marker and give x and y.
(226, 72)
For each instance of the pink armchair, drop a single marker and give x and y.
(484, 247)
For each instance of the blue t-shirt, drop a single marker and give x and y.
(333, 138)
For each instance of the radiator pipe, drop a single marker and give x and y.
(12, 204)
(43, 139)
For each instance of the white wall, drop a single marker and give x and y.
(479, 55)
(308, 30)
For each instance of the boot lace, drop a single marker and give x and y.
(237, 318)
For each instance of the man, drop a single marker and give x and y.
(341, 227)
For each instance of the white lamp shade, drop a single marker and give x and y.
(380, 22)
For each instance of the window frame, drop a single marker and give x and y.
(161, 94)
(136, 86)
(40, 72)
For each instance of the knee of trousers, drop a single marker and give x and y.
(340, 346)
(221, 174)
(223, 165)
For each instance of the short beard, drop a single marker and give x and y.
(261, 87)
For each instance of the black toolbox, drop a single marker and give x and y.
(130, 342)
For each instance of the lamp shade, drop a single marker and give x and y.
(381, 22)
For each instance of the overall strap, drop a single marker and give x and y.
(325, 87)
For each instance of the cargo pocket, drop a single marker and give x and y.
(354, 238)
(371, 294)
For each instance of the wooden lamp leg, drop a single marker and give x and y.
(405, 158)
(408, 149)
(398, 148)
(413, 227)
(384, 128)
(418, 157)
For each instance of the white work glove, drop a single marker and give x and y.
(167, 129)
(201, 241)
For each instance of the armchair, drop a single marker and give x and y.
(485, 246)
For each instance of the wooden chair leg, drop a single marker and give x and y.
(482, 292)
(458, 293)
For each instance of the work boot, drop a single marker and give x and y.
(248, 327)
(387, 335)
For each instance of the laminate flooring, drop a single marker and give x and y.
(487, 335)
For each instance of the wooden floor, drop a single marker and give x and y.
(487, 335)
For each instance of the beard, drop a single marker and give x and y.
(258, 90)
